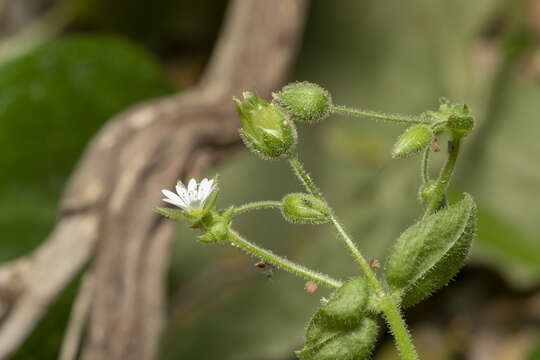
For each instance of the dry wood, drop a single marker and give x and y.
(106, 208)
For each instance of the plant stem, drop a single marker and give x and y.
(388, 304)
(357, 256)
(399, 330)
(446, 174)
(304, 176)
(256, 206)
(281, 262)
(425, 166)
(405, 119)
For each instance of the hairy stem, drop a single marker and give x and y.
(399, 329)
(404, 119)
(357, 256)
(281, 262)
(304, 176)
(388, 304)
(425, 166)
(445, 176)
(256, 206)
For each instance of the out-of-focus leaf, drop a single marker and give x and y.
(52, 100)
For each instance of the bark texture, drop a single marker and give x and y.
(106, 209)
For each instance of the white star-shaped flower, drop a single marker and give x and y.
(193, 197)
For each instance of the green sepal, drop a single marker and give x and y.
(306, 102)
(349, 303)
(176, 214)
(324, 342)
(217, 226)
(266, 129)
(305, 208)
(428, 254)
(413, 140)
(455, 118)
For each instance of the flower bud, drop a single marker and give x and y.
(305, 101)
(413, 140)
(217, 227)
(426, 194)
(305, 208)
(265, 128)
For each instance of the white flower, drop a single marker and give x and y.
(193, 197)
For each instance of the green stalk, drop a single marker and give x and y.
(399, 329)
(425, 166)
(398, 118)
(281, 262)
(445, 176)
(387, 304)
(257, 206)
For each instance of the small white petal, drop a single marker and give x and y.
(192, 185)
(179, 204)
(170, 195)
(210, 187)
(182, 192)
(202, 189)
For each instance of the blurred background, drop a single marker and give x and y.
(66, 67)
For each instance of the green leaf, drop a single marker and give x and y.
(428, 254)
(338, 343)
(349, 303)
(340, 328)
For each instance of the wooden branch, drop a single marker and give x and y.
(77, 320)
(109, 197)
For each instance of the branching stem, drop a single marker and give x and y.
(405, 119)
(445, 176)
(387, 303)
(257, 206)
(281, 262)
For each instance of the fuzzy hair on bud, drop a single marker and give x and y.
(305, 209)
(266, 130)
(304, 101)
(413, 140)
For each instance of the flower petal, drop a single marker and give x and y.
(170, 195)
(192, 185)
(182, 192)
(176, 203)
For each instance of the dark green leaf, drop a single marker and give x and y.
(349, 303)
(324, 342)
(428, 254)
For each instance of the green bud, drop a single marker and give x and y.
(305, 208)
(305, 101)
(414, 139)
(217, 227)
(426, 194)
(457, 116)
(428, 254)
(461, 124)
(266, 130)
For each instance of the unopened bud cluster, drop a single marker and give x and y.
(268, 129)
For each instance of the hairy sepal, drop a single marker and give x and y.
(428, 254)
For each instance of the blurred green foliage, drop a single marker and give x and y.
(52, 101)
